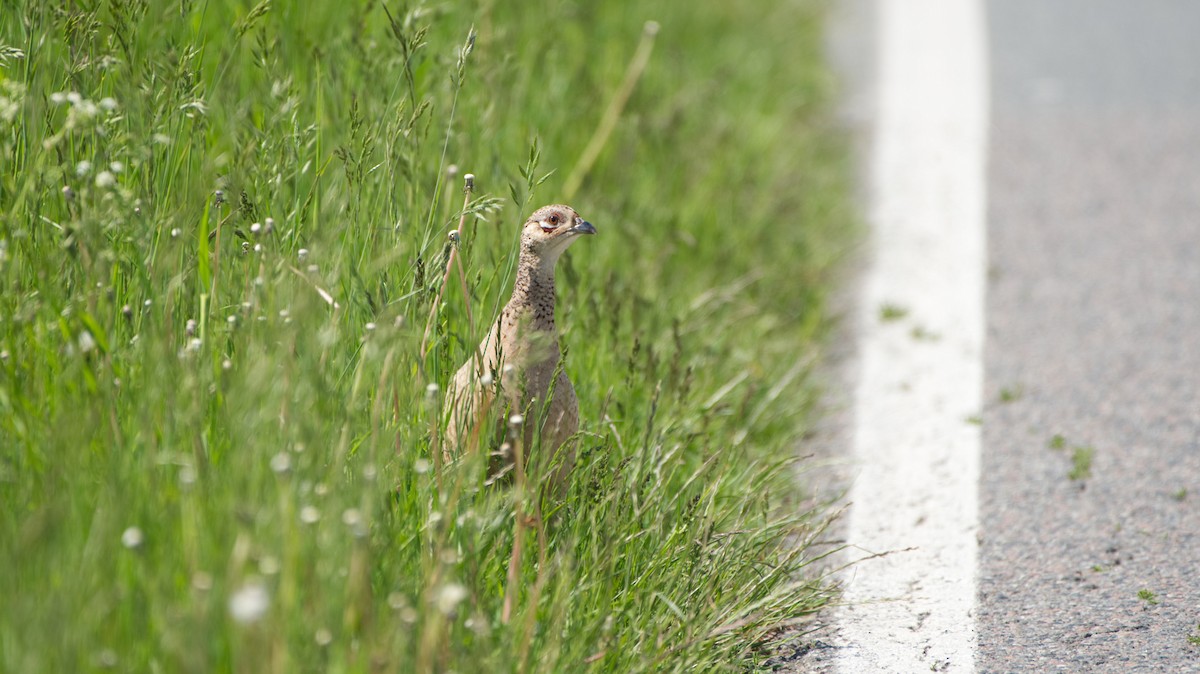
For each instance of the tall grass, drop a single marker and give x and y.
(223, 230)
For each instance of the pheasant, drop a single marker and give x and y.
(522, 346)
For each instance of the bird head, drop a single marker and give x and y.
(548, 232)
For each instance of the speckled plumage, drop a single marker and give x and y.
(522, 346)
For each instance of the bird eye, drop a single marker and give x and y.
(554, 219)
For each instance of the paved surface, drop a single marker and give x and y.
(1094, 332)
(1093, 335)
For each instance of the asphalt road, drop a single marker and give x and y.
(1089, 496)
(1093, 335)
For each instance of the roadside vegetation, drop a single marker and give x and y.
(225, 330)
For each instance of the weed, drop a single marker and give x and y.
(890, 313)
(1081, 463)
(1148, 596)
(1010, 394)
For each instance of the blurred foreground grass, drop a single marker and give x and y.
(222, 226)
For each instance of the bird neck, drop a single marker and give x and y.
(533, 291)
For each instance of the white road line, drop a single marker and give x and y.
(921, 376)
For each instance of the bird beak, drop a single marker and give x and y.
(583, 227)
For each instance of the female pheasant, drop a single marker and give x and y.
(522, 346)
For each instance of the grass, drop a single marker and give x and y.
(223, 230)
(1081, 463)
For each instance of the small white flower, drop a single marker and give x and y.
(250, 603)
(194, 345)
(302, 253)
(421, 466)
(116, 166)
(323, 637)
(190, 326)
(175, 232)
(281, 463)
(449, 597)
(227, 364)
(231, 319)
(105, 179)
(270, 225)
(58, 97)
(83, 168)
(74, 98)
(486, 379)
(86, 341)
(351, 517)
(431, 389)
(108, 103)
(309, 515)
(187, 476)
(132, 538)
(516, 420)
(370, 327)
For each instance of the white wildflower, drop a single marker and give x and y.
(105, 179)
(449, 597)
(83, 168)
(86, 342)
(132, 538)
(250, 603)
(310, 515)
(323, 637)
(281, 463)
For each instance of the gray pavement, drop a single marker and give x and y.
(1094, 336)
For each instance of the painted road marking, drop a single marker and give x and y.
(921, 372)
